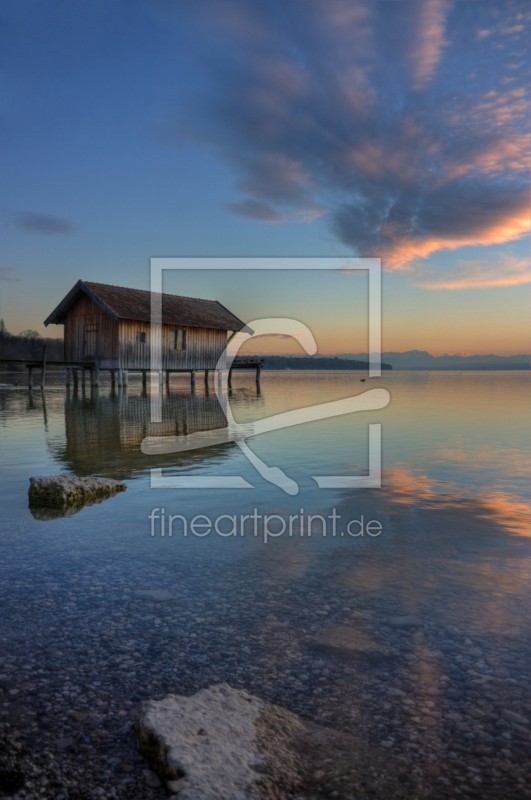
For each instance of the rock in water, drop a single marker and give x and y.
(220, 744)
(65, 491)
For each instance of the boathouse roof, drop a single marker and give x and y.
(120, 302)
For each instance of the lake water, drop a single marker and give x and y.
(417, 639)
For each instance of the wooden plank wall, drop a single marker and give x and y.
(86, 312)
(203, 347)
(117, 344)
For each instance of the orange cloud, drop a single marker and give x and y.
(401, 251)
(427, 52)
(507, 271)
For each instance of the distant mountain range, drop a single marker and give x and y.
(412, 359)
(420, 359)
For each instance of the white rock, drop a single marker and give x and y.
(210, 746)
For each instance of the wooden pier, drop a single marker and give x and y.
(76, 372)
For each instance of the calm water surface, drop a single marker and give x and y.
(313, 623)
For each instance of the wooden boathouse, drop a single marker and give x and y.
(108, 328)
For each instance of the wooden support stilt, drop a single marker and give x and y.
(125, 378)
(144, 381)
(120, 377)
(95, 377)
(258, 370)
(43, 369)
(30, 377)
(206, 381)
(113, 379)
(83, 378)
(68, 377)
(230, 380)
(75, 373)
(167, 381)
(192, 380)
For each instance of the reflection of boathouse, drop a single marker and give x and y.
(104, 433)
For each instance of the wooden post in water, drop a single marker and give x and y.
(43, 371)
(113, 380)
(258, 369)
(75, 373)
(144, 381)
(68, 377)
(230, 380)
(206, 382)
(125, 378)
(167, 381)
(30, 377)
(120, 377)
(192, 380)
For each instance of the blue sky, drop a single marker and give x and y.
(390, 129)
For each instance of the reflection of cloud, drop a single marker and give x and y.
(360, 109)
(502, 509)
(41, 224)
(457, 560)
(507, 271)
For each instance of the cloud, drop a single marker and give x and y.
(401, 227)
(430, 40)
(505, 271)
(256, 209)
(8, 274)
(37, 224)
(362, 113)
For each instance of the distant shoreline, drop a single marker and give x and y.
(411, 361)
(279, 363)
(399, 369)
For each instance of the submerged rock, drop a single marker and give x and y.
(67, 491)
(349, 638)
(220, 744)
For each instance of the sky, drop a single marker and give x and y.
(390, 129)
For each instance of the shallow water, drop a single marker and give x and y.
(314, 623)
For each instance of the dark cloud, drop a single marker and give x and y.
(41, 224)
(403, 121)
(256, 209)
